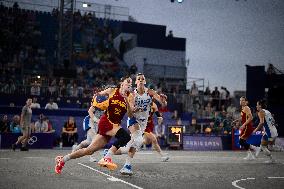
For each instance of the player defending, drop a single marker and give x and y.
(140, 103)
(90, 126)
(266, 121)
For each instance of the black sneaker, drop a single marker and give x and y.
(24, 148)
(13, 147)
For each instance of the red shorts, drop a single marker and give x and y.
(104, 126)
(149, 127)
(246, 132)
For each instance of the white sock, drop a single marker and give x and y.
(252, 147)
(77, 147)
(66, 158)
(128, 160)
(265, 150)
(109, 153)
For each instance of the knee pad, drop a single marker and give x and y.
(122, 138)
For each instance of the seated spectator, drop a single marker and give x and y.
(69, 134)
(49, 124)
(160, 130)
(5, 125)
(15, 125)
(35, 104)
(41, 125)
(51, 105)
(209, 129)
(197, 128)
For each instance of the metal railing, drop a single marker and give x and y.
(100, 10)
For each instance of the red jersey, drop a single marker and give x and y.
(117, 108)
(150, 122)
(245, 118)
(248, 129)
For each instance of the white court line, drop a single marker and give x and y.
(5, 158)
(111, 178)
(234, 183)
(275, 177)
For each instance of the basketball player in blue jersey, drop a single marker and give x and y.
(140, 103)
(266, 121)
(90, 126)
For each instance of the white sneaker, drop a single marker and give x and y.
(165, 158)
(93, 159)
(257, 151)
(126, 170)
(250, 156)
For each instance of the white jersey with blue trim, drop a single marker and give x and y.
(269, 124)
(143, 102)
(87, 121)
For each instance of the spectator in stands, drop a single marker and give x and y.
(51, 105)
(207, 95)
(160, 130)
(35, 89)
(41, 125)
(5, 124)
(197, 128)
(35, 104)
(49, 124)
(271, 69)
(122, 48)
(208, 112)
(194, 89)
(15, 125)
(15, 5)
(170, 34)
(215, 95)
(69, 134)
(133, 69)
(209, 129)
(231, 110)
(52, 88)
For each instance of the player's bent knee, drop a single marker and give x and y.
(122, 138)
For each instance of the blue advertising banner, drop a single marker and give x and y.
(200, 143)
(37, 140)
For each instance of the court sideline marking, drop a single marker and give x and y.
(234, 183)
(111, 178)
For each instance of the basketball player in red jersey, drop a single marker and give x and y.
(108, 126)
(246, 129)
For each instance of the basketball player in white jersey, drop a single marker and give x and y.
(140, 102)
(90, 126)
(266, 121)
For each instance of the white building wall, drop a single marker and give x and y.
(154, 56)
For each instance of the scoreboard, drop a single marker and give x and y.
(175, 135)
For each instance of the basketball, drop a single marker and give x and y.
(100, 102)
